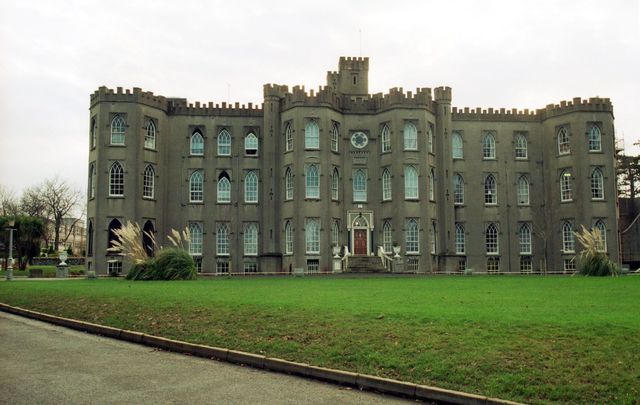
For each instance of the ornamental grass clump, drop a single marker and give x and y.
(173, 263)
(592, 260)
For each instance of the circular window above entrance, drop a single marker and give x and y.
(359, 140)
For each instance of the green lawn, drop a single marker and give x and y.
(47, 271)
(534, 339)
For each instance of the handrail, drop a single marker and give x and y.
(386, 259)
(345, 256)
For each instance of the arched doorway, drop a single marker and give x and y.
(360, 236)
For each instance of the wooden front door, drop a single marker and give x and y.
(359, 241)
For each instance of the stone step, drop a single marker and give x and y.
(365, 264)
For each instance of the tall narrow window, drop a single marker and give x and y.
(222, 240)
(460, 239)
(224, 143)
(490, 190)
(224, 188)
(410, 182)
(251, 187)
(92, 180)
(522, 190)
(312, 182)
(288, 184)
(150, 135)
(457, 147)
(564, 146)
(565, 186)
(433, 232)
(597, 184)
(90, 239)
(601, 243)
(387, 237)
(288, 238)
(410, 136)
(334, 137)
(251, 144)
(430, 138)
(196, 186)
(148, 182)
(113, 237)
(524, 237)
(360, 185)
(568, 242)
(94, 132)
(595, 139)
(458, 189)
(288, 138)
(148, 232)
(312, 236)
(386, 139)
(432, 184)
(491, 239)
(312, 135)
(521, 146)
(488, 146)
(197, 144)
(117, 130)
(335, 233)
(251, 239)
(195, 239)
(116, 180)
(386, 185)
(411, 237)
(335, 183)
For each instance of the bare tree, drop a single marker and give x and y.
(32, 203)
(8, 202)
(60, 200)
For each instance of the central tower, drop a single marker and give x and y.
(352, 77)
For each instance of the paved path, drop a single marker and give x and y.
(46, 364)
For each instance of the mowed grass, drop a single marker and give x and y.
(533, 339)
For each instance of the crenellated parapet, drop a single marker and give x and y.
(135, 95)
(594, 104)
(174, 106)
(328, 97)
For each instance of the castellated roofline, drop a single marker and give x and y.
(174, 106)
(594, 104)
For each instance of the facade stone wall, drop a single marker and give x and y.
(363, 140)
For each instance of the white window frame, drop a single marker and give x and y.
(150, 135)
(602, 244)
(312, 135)
(335, 233)
(492, 239)
(312, 182)
(335, 184)
(116, 180)
(597, 184)
(410, 136)
(222, 239)
(312, 236)
(223, 189)
(458, 189)
(288, 138)
(250, 239)
(595, 138)
(432, 184)
(564, 144)
(430, 138)
(522, 190)
(460, 241)
(457, 146)
(490, 190)
(196, 187)
(196, 144)
(224, 143)
(334, 137)
(92, 180)
(488, 146)
(288, 184)
(412, 236)
(524, 238)
(251, 187)
(195, 238)
(387, 237)
(148, 182)
(566, 192)
(410, 183)
(118, 130)
(251, 144)
(433, 234)
(288, 238)
(386, 185)
(568, 239)
(385, 139)
(521, 147)
(360, 185)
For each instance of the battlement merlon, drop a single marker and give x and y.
(173, 106)
(593, 104)
(442, 94)
(353, 63)
(275, 90)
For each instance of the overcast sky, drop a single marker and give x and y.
(53, 54)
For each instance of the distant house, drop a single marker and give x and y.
(72, 234)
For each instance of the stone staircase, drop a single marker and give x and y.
(365, 264)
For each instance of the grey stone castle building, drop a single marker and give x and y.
(272, 188)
